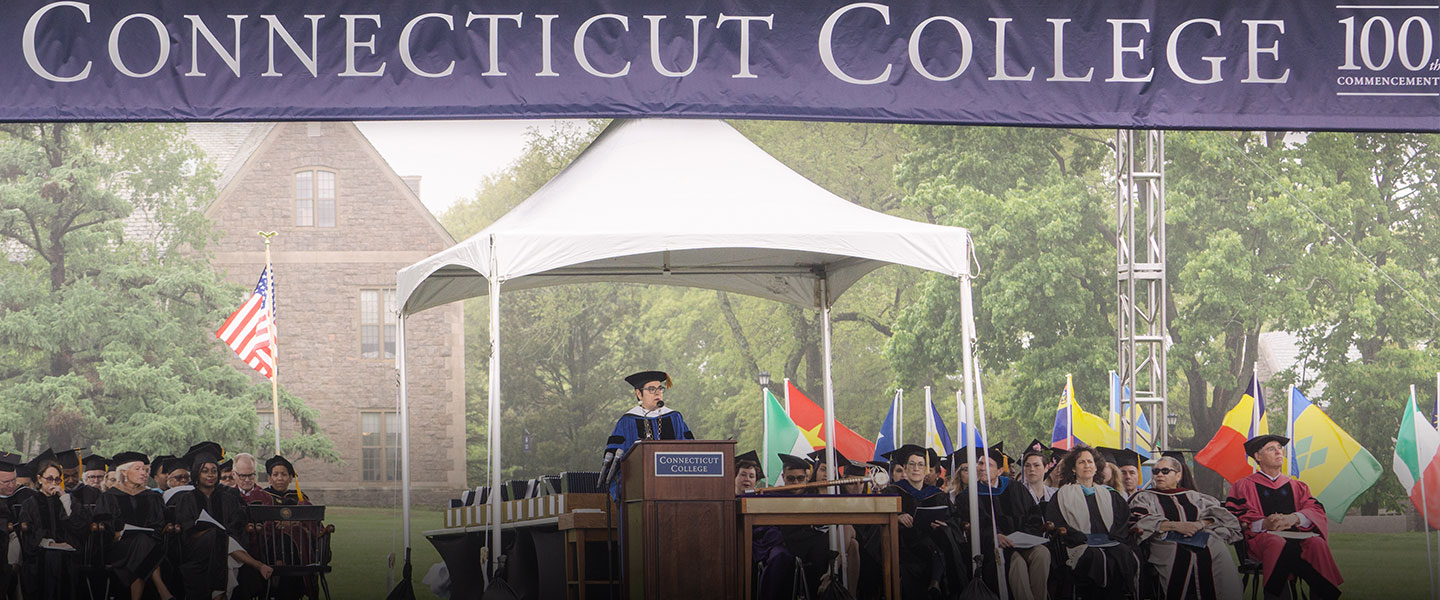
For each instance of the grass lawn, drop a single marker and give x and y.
(1375, 566)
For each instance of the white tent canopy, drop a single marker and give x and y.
(676, 202)
(683, 202)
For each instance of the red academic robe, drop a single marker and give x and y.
(257, 495)
(1245, 503)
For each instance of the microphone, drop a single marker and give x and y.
(659, 404)
(605, 469)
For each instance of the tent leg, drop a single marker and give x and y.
(494, 422)
(967, 327)
(404, 435)
(836, 536)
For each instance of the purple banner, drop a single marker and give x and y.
(1255, 64)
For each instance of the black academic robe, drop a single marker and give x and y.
(136, 554)
(50, 574)
(205, 568)
(86, 495)
(1008, 506)
(1109, 571)
(928, 555)
(10, 514)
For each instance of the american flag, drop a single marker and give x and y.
(248, 330)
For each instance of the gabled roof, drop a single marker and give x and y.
(683, 202)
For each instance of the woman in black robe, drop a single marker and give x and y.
(1096, 519)
(57, 525)
(212, 518)
(134, 555)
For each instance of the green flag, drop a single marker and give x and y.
(782, 436)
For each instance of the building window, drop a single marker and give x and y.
(380, 445)
(314, 198)
(377, 324)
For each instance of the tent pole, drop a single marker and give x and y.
(967, 327)
(404, 435)
(494, 415)
(830, 438)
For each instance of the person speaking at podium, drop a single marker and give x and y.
(650, 420)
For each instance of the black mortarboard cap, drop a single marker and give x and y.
(201, 453)
(793, 462)
(752, 457)
(1254, 444)
(95, 462)
(68, 458)
(883, 464)
(278, 460)
(32, 468)
(125, 458)
(9, 461)
(26, 470)
(228, 465)
(175, 462)
(903, 453)
(997, 454)
(1036, 446)
(639, 380)
(159, 464)
(840, 461)
(1178, 455)
(1122, 456)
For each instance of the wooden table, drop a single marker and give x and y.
(823, 510)
(581, 528)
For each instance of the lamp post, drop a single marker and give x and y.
(764, 379)
(1171, 420)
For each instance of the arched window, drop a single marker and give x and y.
(314, 198)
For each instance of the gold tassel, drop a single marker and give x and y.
(299, 494)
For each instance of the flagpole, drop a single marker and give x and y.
(1070, 411)
(1424, 506)
(1290, 427)
(929, 420)
(1255, 412)
(787, 398)
(1437, 398)
(274, 342)
(900, 416)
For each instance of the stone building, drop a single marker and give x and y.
(346, 223)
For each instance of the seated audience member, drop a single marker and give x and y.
(925, 534)
(134, 516)
(212, 520)
(747, 473)
(1285, 527)
(282, 474)
(92, 480)
(1004, 509)
(1188, 535)
(58, 525)
(1126, 465)
(160, 472)
(1096, 524)
(848, 540)
(810, 544)
(246, 482)
(227, 473)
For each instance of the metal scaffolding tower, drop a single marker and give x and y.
(1140, 277)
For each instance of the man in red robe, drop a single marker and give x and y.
(1285, 527)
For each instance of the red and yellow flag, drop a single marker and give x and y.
(1225, 454)
(810, 417)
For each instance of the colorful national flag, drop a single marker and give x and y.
(810, 417)
(968, 432)
(1416, 462)
(1144, 437)
(1225, 454)
(888, 439)
(1327, 459)
(1073, 425)
(782, 436)
(937, 436)
(248, 330)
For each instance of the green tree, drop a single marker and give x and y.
(108, 329)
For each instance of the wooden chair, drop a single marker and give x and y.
(295, 541)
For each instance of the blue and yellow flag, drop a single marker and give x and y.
(1327, 459)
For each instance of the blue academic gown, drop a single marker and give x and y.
(662, 423)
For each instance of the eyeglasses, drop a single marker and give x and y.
(915, 465)
(180, 477)
(653, 389)
(244, 475)
(1163, 471)
(50, 479)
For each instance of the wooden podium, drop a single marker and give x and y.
(678, 523)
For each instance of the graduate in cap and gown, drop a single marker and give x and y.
(282, 474)
(925, 535)
(1005, 509)
(57, 527)
(8, 486)
(1186, 535)
(134, 516)
(1127, 465)
(92, 476)
(1096, 519)
(1285, 527)
(650, 419)
(212, 518)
